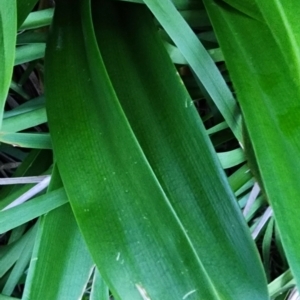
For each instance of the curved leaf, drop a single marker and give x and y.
(128, 204)
(268, 93)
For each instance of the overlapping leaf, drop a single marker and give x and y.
(262, 57)
(135, 224)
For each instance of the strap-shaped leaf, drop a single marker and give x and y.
(60, 265)
(174, 141)
(199, 60)
(124, 209)
(8, 30)
(268, 93)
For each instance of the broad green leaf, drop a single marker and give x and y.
(268, 93)
(60, 265)
(149, 214)
(247, 7)
(176, 144)
(199, 60)
(131, 251)
(8, 31)
(282, 19)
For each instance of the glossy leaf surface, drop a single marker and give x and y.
(268, 93)
(133, 178)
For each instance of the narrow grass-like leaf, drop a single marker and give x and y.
(61, 265)
(29, 106)
(27, 140)
(28, 53)
(99, 288)
(19, 90)
(3, 297)
(268, 93)
(16, 233)
(178, 58)
(9, 254)
(8, 30)
(31, 37)
(22, 121)
(266, 247)
(24, 8)
(231, 158)
(240, 177)
(32, 209)
(19, 268)
(199, 60)
(38, 19)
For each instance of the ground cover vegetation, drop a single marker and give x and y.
(149, 149)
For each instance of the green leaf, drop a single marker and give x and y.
(19, 268)
(231, 158)
(266, 247)
(38, 19)
(153, 230)
(3, 297)
(28, 106)
(9, 254)
(60, 265)
(8, 30)
(27, 140)
(24, 8)
(32, 209)
(99, 288)
(136, 227)
(282, 20)
(24, 120)
(199, 60)
(29, 52)
(173, 136)
(268, 93)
